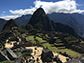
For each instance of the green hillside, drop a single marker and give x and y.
(42, 39)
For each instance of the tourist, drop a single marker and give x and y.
(34, 52)
(35, 48)
(37, 59)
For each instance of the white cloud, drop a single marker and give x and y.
(22, 12)
(4, 11)
(64, 6)
(9, 17)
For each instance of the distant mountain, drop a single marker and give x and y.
(79, 18)
(74, 20)
(2, 22)
(41, 21)
(59, 27)
(23, 20)
(9, 24)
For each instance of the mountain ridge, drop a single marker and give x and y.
(41, 21)
(69, 19)
(60, 17)
(39, 17)
(9, 24)
(23, 20)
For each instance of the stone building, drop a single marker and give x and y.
(27, 50)
(3, 57)
(77, 60)
(47, 55)
(14, 38)
(7, 54)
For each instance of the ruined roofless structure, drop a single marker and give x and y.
(77, 60)
(14, 38)
(7, 54)
(46, 55)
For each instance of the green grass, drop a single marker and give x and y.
(52, 47)
(47, 35)
(40, 39)
(58, 40)
(23, 35)
(31, 38)
(82, 41)
(71, 39)
(70, 52)
(16, 52)
(58, 43)
(39, 34)
(1, 48)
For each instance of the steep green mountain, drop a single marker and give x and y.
(2, 22)
(9, 24)
(41, 21)
(23, 20)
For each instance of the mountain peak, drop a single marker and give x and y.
(39, 10)
(40, 20)
(9, 24)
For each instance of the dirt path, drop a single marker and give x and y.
(11, 44)
(39, 52)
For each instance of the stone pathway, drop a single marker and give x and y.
(39, 52)
(9, 45)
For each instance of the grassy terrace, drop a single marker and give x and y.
(1, 47)
(44, 43)
(71, 39)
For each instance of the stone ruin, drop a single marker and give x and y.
(47, 55)
(77, 60)
(27, 50)
(7, 54)
(57, 59)
(14, 38)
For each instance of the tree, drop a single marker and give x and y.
(28, 27)
(23, 27)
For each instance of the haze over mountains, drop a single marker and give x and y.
(41, 21)
(23, 20)
(74, 20)
(2, 22)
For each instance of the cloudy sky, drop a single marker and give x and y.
(16, 8)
